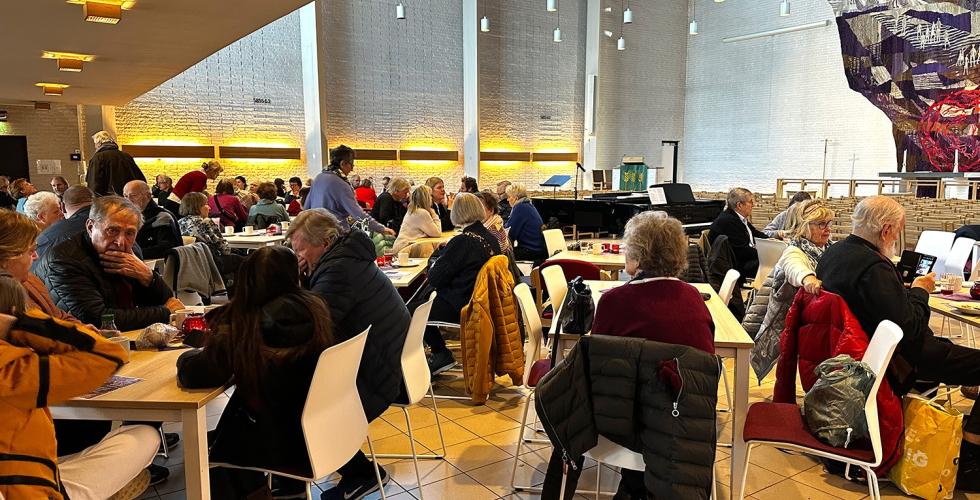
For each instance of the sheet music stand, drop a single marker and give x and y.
(555, 182)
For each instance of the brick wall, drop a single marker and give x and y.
(213, 103)
(51, 135)
(760, 109)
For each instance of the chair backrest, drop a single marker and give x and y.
(728, 286)
(555, 284)
(935, 243)
(877, 356)
(532, 325)
(333, 420)
(769, 253)
(415, 369)
(554, 241)
(573, 268)
(958, 256)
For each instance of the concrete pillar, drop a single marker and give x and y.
(315, 144)
(471, 91)
(590, 135)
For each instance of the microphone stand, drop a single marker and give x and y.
(578, 166)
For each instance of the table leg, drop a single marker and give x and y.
(741, 407)
(196, 454)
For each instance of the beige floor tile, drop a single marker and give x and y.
(817, 477)
(456, 409)
(609, 480)
(421, 417)
(496, 477)
(403, 472)
(788, 488)
(488, 423)
(452, 432)
(397, 444)
(784, 464)
(758, 477)
(457, 487)
(474, 454)
(507, 441)
(380, 429)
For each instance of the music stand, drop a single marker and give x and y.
(555, 182)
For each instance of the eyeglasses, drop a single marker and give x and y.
(823, 225)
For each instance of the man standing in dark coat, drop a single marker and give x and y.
(340, 266)
(110, 168)
(734, 223)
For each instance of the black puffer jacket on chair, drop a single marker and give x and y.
(627, 390)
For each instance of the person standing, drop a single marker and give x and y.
(332, 191)
(196, 180)
(110, 168)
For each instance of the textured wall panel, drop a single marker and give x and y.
(51, 135)
(760, 109)
(214, 102)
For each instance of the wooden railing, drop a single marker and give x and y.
(822, 187)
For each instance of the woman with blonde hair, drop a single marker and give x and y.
(420, 221)
(441, 203)
(196, 181)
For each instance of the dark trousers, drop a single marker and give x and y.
(536, 256)
(954, 365)
(441, 311)
(631, 485)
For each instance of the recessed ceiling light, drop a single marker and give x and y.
(52, 88)
(104, 13)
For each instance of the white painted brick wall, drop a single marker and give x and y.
(760, 109)
(51, 135)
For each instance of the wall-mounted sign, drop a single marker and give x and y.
(261, 100)
(48, 167)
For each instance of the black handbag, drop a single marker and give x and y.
(576, 314)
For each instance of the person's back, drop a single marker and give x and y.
(60, 232)
(110, 169)
(458, 263)
(159, 233)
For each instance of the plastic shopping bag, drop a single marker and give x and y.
(930, 449)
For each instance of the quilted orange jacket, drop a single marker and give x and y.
(42, 361)
(490, 335)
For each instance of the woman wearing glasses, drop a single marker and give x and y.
(808, 234)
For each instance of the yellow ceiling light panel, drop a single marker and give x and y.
(103, 13)
(124, 4)
(50, 54)
(52, 88)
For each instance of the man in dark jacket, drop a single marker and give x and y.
(734, 223)
(389, 209)
(110, 168)
(340, 267)
(860, 270)
(77, 201)
(96, 272)
(159, 233)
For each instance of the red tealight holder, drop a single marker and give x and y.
(615, 249)
(606, 247)
(194, 329)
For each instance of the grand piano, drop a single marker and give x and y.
(607, 212)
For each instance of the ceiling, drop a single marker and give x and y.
(156, 40)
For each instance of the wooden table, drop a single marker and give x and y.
(731, 341)
(259, 240)
(445, 236)
(156, 398)
(605, 261)
(944, 307)
(408, 274)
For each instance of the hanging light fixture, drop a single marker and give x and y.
(399, 11)
(621, 43)
(784, 8)
(627, 15)
(608, 33)
(485, 21)
(556, 36)
(552, 5)
(719, 1)
(693, 27)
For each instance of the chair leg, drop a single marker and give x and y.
(520, 441)
(873, 487)
(728, 388)
(163, 443)
(309, 491)
(442, 439)
(415, 455)
(745, 470)
(598, 478)
(435, 408)
(377, 470)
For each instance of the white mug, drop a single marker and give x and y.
(229, 229)
(284, 225)
(404, 258)
(249, 229)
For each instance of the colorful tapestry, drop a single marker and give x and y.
(919, 62)
(633, 177)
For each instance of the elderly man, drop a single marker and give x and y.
(59, 184)
(96, 272)
(110, 168)
(159, 233)
(77, 201)
(44, 208)
(734, 223)
(860, 270)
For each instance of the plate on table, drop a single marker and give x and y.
(257, 233)
(411, 263)
(968, 309)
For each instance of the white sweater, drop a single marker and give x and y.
(418, 224)
(796, 265)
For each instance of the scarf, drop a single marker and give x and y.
(812, 252)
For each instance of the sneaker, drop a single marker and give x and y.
(158, 474)
(171, 438)
(355, 488)
(440, 362)
(970, 392)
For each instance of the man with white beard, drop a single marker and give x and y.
(860, 270)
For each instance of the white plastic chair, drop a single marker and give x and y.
(557, 287)
(554, 241)
(958, 256)
(333, 420)
(877, 356)
(935, 243)
(728, 286)
(533, 349)
(769, 253)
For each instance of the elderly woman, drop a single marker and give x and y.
(339, 265)
(808, 234)
(524, 226)
(493, 222)
(44, 208)
(389, 209)
(195, 221)
(246, 192)
(267, 211)
(419, 222)
(226, 205)
(453, 270)
(196, 181)
(19, 190)
(441, 203)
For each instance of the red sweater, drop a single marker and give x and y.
(664, 310)
(193, 181)
(366, 195)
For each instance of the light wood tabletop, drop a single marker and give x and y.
(401, 277)
(604, 261)
(257, 240)
(445, 236)
(945, 307)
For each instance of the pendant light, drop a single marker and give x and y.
(627, 15)
(485, 21)
(784, 8)
(621, 43)
(719, 1)
(693, 27)
(556, 36)
(552, 5)
(399, 11)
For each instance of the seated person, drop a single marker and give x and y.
(453, 271)
(494, 223)
(161, 193)
(296, 206)
(246, 192)
(859, 269)
(734, 223)
(48, 361)
(389, 209)
(159, 234)
(524, 226)
(441, 203)
(502, 196)
(339, 265)
(655, 304)
(365, 194)
(780, 223)
(77, 201)
(96, 272)
(468, 185)
(420, 221)
(20, 190)
(44, 208)
(225, 205)
(195, 222)
(266, 342)
(266, 212)
(295, 184)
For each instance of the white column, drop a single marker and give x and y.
(471, 91)
(590, 135)
(315, 142)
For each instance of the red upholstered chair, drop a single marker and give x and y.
(574, 268)
(782, 426)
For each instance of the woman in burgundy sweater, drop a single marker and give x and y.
(655, 304)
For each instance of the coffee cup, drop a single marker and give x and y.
(124, 343)
(596, 249)
(284, 225)
(248, 229)
(403, 258)
(178, 317)
(229, 230)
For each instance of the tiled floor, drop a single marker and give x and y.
(481, 442)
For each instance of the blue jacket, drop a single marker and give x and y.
(525, 226)
(334, 193)
(61, 231)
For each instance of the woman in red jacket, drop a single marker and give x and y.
(365, 194)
